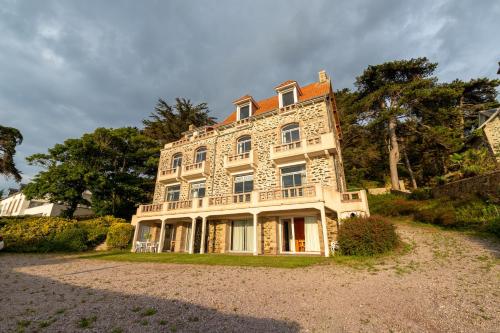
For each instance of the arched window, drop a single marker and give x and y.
(176, 160)
(244, 144)
(200, 155)
(290, 133)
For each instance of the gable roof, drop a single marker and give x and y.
(310, 91)
(490, 115)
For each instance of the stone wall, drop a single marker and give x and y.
(314, 119)
(492, 132)
(217, 236)
(487, 184)
(331, 229)
(269, 235)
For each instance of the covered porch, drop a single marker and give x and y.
(281, 231)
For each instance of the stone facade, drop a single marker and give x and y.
(492, 133)
(313, 119)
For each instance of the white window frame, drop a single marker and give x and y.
(196, 183)
(240, 141)
(174, 158)
(282, 92)
(304, 173)
(250, 110)
(290, 130)
(170, 186)
(198, 151)
(244, 175)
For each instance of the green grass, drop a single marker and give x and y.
(212, 259)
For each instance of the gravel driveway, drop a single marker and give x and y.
(448, 282)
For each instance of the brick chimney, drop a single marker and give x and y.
(322, 76)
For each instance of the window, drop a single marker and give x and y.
(176, 161)
(244, 112)
(145, 233)
(287, 98)
(242, 236)
(198, 189)
(244, 144)
(292, 180)
(200, 155)
(290, 133)
(243, 184)
(173, 193)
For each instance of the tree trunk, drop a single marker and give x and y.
(410, 171)
(70, 211)
(393, 153)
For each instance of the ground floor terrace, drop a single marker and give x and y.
(306, 231)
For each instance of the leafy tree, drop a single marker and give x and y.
(116, 165)
(64, 178)
(385, 96)
(9, 139)
(167, 123)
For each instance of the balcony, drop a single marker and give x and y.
(240, 162)
(169, 175)
(323, 144)
(195, 170)
(282, 198)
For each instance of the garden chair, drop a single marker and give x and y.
(139, 247)
(334, 246)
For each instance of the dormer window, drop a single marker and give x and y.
(288, 98)
(245, 107)
(244, 112)
(288, 93)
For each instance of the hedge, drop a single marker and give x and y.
(49, 234)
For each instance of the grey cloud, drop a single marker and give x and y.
(67, 67)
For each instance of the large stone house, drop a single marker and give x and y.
(268, 179)
(489, 122)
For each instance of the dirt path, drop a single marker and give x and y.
(448, 282)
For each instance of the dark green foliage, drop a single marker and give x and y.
(119, 235)
(69, 240)
(392, 205)
(9, 139)
(494, 226)
(367, 236)
(167, 123)
(438, 215)
(423, 193)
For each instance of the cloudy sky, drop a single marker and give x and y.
(67, 67)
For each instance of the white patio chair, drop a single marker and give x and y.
(334, 246)
(139, 246)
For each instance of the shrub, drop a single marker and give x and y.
(367, 236)
(96, 229)
(72, 239)
(38, 234)
(494, 226)
(440, 215)
(119, 235)
(421, 194)
(392, 205)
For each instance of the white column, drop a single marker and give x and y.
(191, 241)
(325, 237)
(203, 232)
(162, 236)
(255, 250)
(136, 234)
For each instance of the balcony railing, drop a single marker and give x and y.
(153, 208)
(194, 170)
(310, 147)
(230, 199)
(169, 175)
(288, 193)
(181, 204)
(240, 162)
(343, 202)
